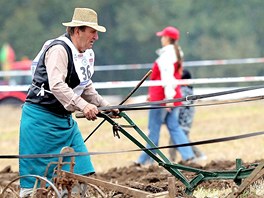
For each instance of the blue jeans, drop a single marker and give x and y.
(156, 118)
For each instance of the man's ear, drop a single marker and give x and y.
(77, 30)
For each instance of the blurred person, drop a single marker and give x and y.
(167, 68)
(186, 116)
(61, 84)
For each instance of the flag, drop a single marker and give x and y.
(7, 57)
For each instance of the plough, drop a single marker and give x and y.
(67, 180)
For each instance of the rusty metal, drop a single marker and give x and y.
(59, 180)
(58, 184)
(38, 192)
(64, 179)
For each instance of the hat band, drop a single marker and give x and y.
(91, 23)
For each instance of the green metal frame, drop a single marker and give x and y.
(175, 169)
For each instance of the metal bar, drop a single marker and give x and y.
(201, 175)
(122, 102)
(256, 173)
(160, 158)
(136, 88)
(187, 98)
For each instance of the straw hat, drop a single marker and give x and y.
(85, 17)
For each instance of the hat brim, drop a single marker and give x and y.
(159, 34)
(75, 24)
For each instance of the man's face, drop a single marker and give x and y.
(86, 38)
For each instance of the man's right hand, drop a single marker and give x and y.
(90, 112)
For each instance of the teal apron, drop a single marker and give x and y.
(44, 132)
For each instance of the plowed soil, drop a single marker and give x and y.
(154, 178)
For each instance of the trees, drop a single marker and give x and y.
(209, 29)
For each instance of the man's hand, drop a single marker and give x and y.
(90, 112)
(113, 113)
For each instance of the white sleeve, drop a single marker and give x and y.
(167, 76)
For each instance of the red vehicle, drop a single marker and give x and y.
(15, 95)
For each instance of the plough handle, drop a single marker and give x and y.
(80, 115)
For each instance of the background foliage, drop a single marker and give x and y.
(226, 29)
(209, 29)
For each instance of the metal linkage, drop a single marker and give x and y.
(175, 169)
(64, 179)
(45, 188)
(257, 173)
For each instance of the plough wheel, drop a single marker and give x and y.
(94, 191)
(51, 191)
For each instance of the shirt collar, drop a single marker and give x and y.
(165, 49)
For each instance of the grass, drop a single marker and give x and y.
(256, 189)
(210, 122)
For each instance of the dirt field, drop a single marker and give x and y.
(154, 179)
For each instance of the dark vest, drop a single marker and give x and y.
(40, 78)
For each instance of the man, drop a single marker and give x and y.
(61, 85)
